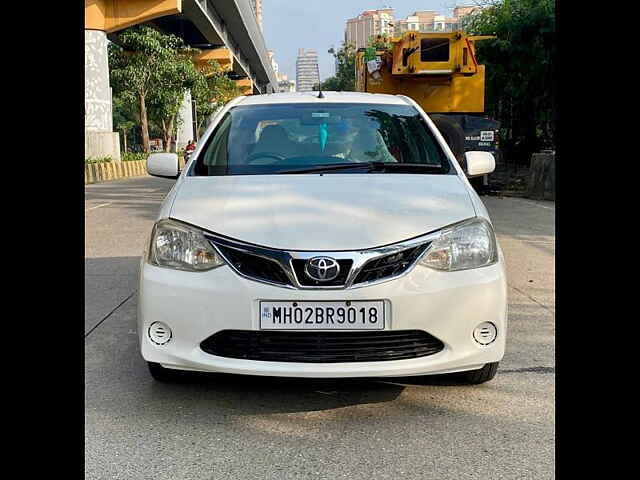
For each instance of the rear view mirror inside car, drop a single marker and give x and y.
(311, 117)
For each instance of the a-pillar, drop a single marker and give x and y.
(185, 124)
(99, 139)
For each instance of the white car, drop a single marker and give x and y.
(331, 236)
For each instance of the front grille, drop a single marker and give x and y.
(256, 267)
(304, 280)
(322, 347)
(389, 265)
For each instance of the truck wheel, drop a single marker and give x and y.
(453, 135)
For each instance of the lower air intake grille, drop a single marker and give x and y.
(389, 265)
(322, 347)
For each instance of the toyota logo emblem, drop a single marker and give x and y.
(322, 269)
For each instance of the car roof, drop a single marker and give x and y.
(329, 97)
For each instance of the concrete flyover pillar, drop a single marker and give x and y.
(185, 124)
(100, 139)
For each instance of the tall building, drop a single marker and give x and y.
(369, 24)
(307, 70)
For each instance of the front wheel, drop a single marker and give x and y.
(476, 377)
(161, 374)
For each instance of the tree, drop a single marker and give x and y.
(519, 65)
(345, 77)
(165, 103)
(151, 69)
(380, 42)
(124, 117)
(212, 90)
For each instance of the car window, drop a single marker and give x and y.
(268, 139)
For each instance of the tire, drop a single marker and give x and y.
(453, 135)
(161, 374)
(476, 377)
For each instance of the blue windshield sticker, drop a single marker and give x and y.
(320, 114)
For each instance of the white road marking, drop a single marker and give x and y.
(98, 206)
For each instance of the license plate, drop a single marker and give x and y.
(351, 315)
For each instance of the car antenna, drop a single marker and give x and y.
(320, 95)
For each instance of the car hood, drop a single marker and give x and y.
(322, 212)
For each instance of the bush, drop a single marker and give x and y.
(134, 156)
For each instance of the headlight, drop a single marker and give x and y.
(471, 244)
(179, 246)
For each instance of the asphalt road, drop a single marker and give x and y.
(236, 427)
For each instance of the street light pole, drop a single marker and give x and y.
(195, 120)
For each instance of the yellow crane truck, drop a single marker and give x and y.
(440, 72)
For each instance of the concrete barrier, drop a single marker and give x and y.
(542, 182)
(102, 172)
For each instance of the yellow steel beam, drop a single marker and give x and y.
(474, 38)
(113, 15)
(221, 55)
(95, 12)
(245, 85)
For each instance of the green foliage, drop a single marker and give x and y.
(133, 156)
(140, 61)
(519, 64)
(152, 71)
(380, 42)
(345, 77)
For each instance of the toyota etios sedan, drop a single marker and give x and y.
(323, 236)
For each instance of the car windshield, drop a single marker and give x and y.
(331, 137)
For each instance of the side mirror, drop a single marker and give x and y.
(163, 165)
(479, 163)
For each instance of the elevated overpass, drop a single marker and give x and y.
(225, 30)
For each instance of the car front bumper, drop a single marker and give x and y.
(447, 305)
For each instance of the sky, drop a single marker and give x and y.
(319, 24)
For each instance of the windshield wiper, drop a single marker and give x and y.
(374, 166)
(370, 166)
(326, 168)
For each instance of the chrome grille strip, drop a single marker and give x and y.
(284, 259)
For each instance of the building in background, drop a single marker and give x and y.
(369, 24)
(257, 9)
(462, 11)
(285, 85)
(431, 21)
(307, 70)
(382, 22)
(274, 64)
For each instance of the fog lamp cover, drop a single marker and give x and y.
(159, 333)
(485, 333)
